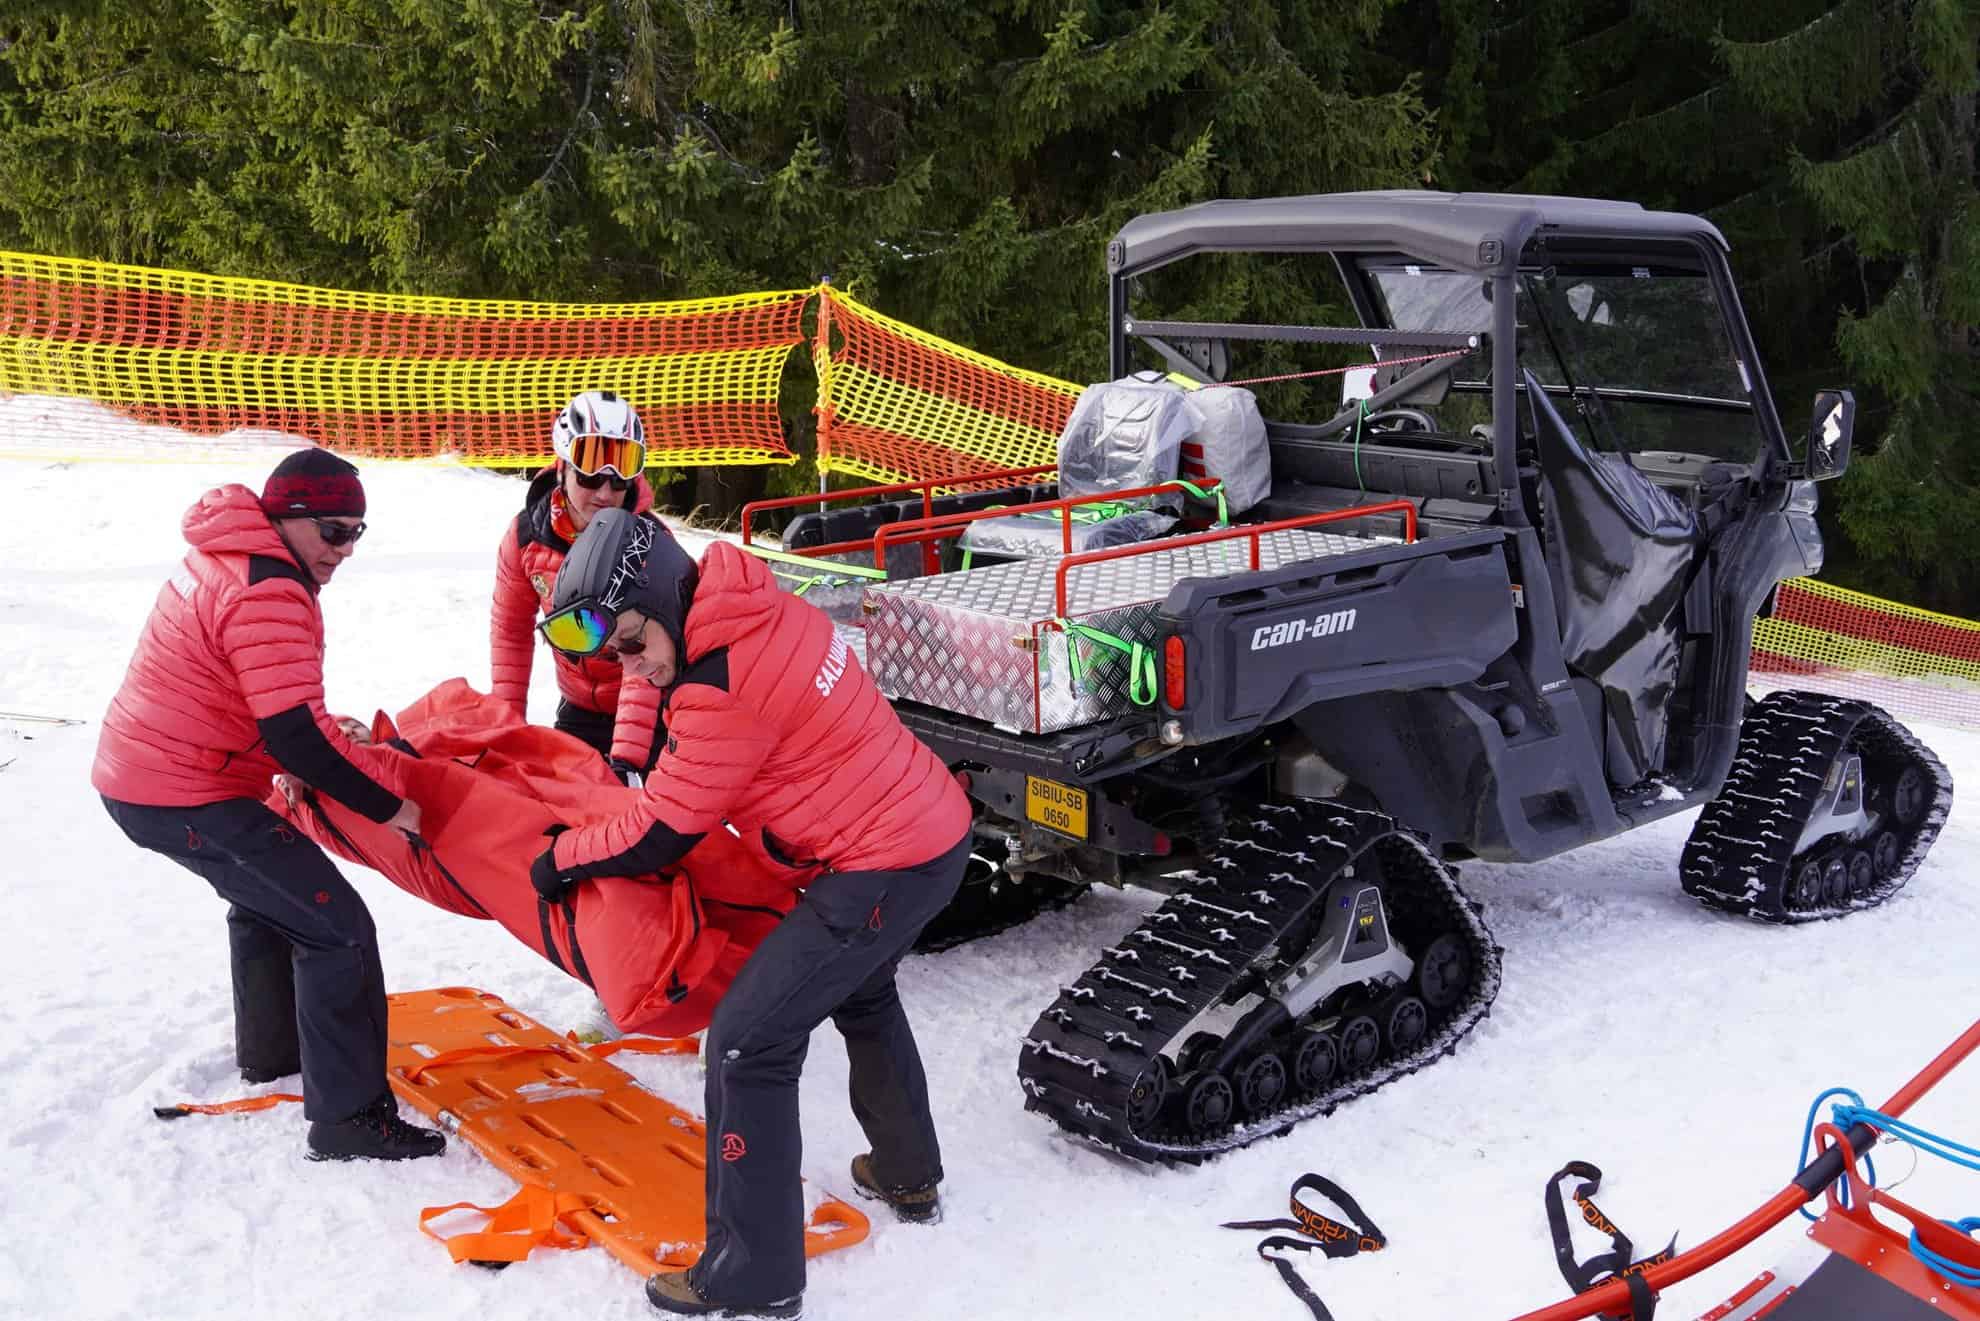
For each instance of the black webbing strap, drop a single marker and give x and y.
(549, 941)
(1618, 1262)
(420, 845)
(1332, 1237)
(577, 950)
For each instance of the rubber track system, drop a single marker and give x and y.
(1740, 856)
(1081, 1061)
(987, 904)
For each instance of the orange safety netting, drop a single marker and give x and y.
(391, 376)
(1911, 662)
(899, 404)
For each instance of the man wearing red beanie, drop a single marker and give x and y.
(224, 692)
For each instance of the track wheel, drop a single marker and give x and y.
(1443, 972)
(1806, 891)
(1314, 1059)
(1261, 1082)
(1150, 1090)
(1862, 873)
(1405, 1024)
(1908, 796)
(1196, 1051)
(1361, 1042)
(1207, 1101)
(1835, 882)
(1884, 855)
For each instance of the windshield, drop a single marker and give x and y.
(1644, 348)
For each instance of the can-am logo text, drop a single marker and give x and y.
(1298, 630)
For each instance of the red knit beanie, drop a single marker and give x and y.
(313, 483)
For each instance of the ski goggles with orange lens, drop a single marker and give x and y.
(579, 630)
(617, 455)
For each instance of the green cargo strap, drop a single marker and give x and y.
(1217, 491)
(1141, 659)
(1360, 415)
(1101, 511)
(812, 562)
(837, 575)
(1098, 512)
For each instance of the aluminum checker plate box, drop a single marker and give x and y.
(984, 642)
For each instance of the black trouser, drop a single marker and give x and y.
(833, 955)
(596, 727)
(308, 985)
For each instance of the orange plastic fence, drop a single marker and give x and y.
(899, 404)
(618, 1165)
(390, 376)
(1911, 662)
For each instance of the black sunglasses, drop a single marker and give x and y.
(634, 645)
(591, 481)
(337, 534)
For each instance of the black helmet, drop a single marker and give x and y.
(627, 561)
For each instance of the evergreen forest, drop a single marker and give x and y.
(960, 164)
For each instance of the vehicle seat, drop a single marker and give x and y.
(1121, 435)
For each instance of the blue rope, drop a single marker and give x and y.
(1943, 1148)
(1808, 1140)
(1952, 1270)
(1846, 1116)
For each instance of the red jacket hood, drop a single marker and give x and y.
(228, 520)
(735, 596)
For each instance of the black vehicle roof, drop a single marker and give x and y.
(1456, 230)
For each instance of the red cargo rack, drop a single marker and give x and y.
(925, 488)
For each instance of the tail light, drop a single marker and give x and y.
(1175, 673)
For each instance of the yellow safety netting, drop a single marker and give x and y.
(388, 375)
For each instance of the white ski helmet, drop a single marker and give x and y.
(599, 431)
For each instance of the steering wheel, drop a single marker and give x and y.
(1414, 418)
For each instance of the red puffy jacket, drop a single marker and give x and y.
(526, 565)
(226, 686)
(773, 726)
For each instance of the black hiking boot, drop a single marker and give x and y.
(673, 1292)
(373, 1133)
(916, 1206)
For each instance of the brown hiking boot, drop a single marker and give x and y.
(916, 1206)
(674, 1293)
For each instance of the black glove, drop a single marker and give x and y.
(627, 772)
(543, 873)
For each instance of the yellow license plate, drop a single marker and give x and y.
(1056, 806)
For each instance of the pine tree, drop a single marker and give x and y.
(958, 165)
(1832, 142)
(1892, 177)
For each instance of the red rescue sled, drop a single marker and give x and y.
(1870, 1271)
(659, 950)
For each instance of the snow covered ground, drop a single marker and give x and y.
(1675, 1048)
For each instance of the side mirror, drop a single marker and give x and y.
(1829, 432)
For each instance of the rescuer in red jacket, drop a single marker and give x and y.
(224, 691)
(600, 445)
(772, 727)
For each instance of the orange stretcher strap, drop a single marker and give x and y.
(414, 1072)
(640, 1045)
(533, 1218)
(184, 1108)
(647, 1046)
